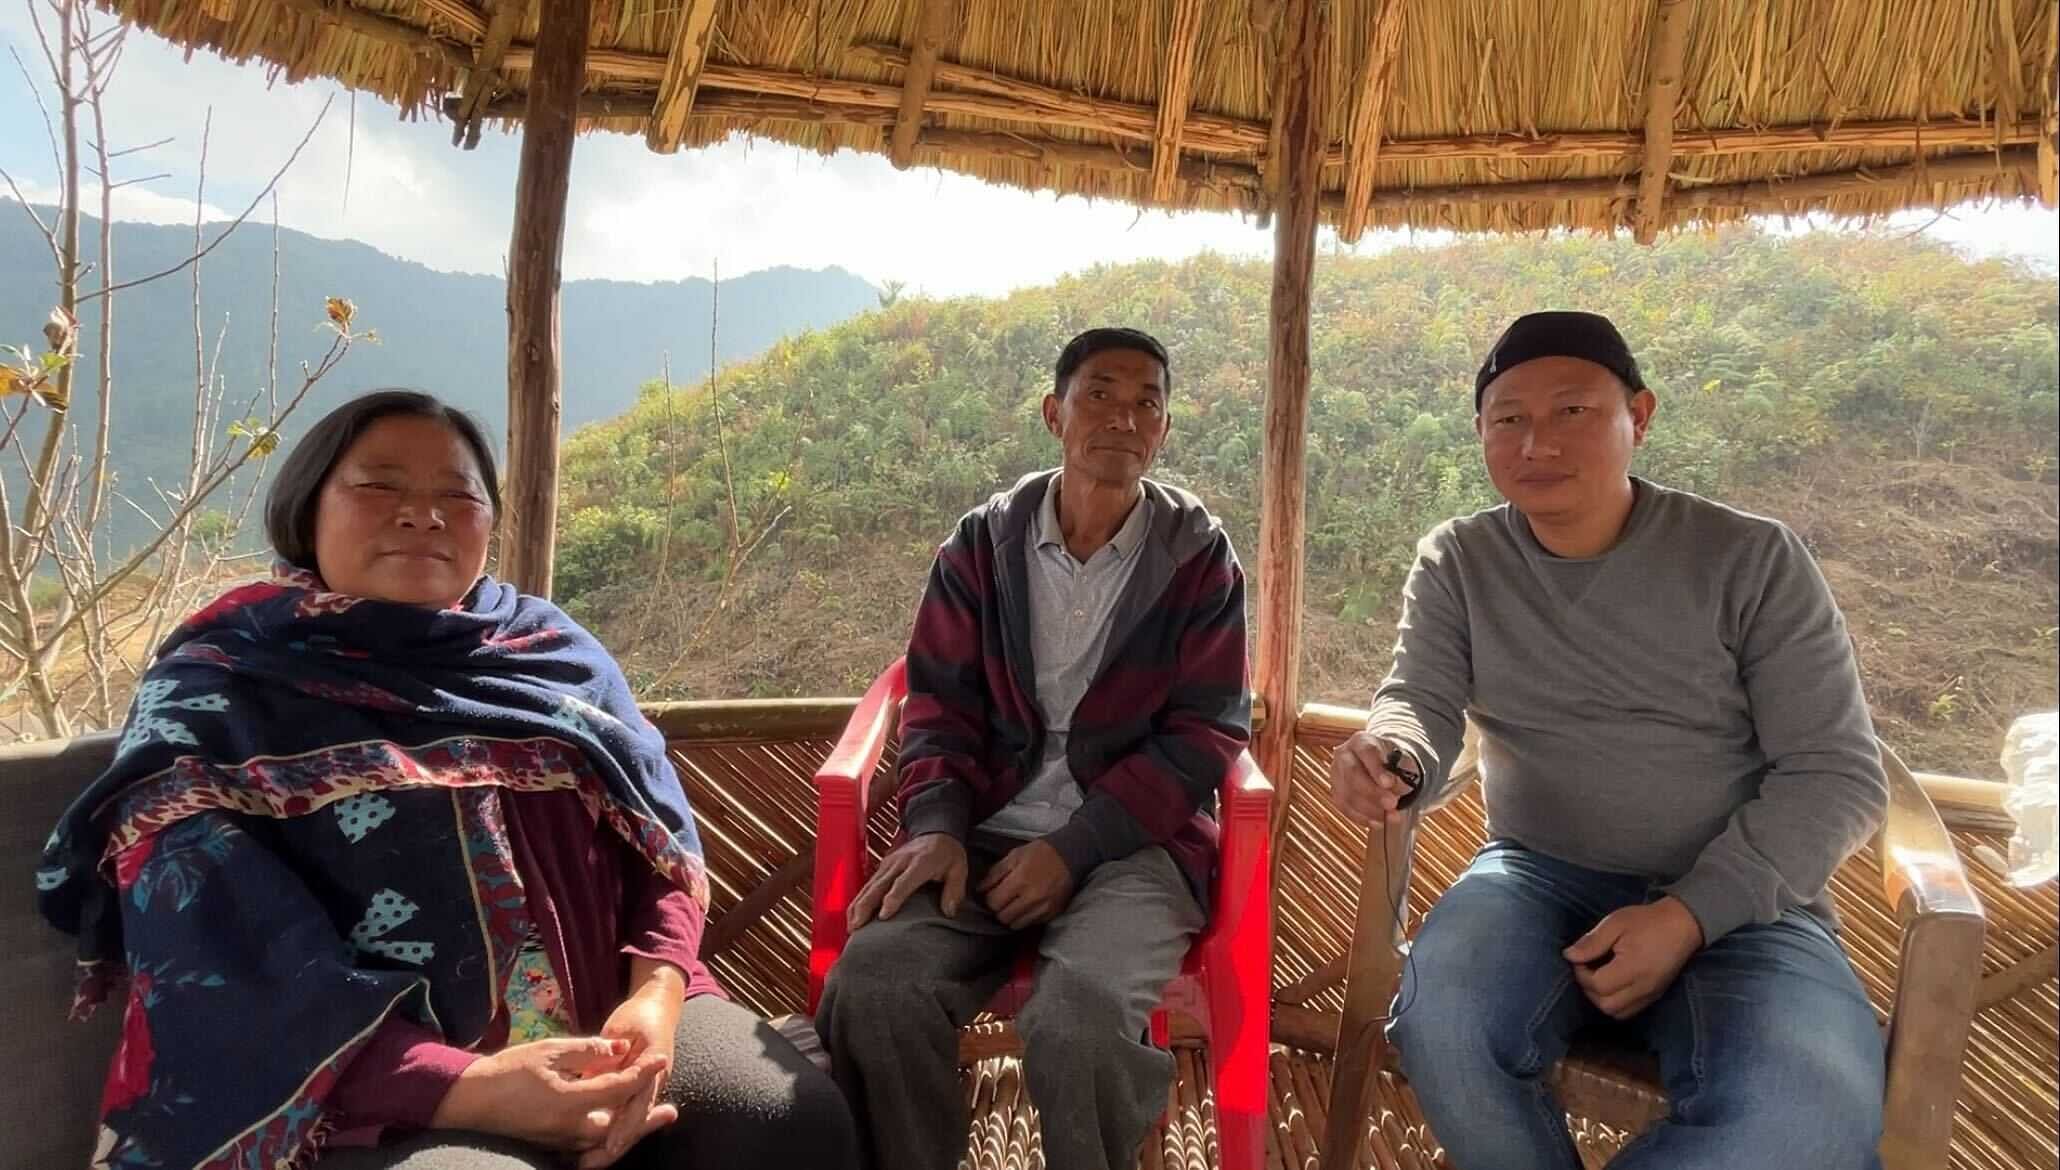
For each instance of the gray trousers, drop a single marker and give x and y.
(746, 1099)
(894, 1003)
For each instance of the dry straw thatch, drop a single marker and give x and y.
(1497, 115)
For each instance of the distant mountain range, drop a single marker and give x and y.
(438, 331)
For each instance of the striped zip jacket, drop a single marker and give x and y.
(1167, 712)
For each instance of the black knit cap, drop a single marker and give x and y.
(1560, 333)
(1096, 341)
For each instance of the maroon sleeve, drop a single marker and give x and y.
(662, 922)
(399, 1077)
(944, 721)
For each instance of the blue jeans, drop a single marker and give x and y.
(1768, 1048)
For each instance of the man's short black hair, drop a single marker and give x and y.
(297, 488)
(1096, 341)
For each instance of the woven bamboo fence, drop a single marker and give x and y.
(757, 809)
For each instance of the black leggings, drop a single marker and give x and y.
(746, 1099)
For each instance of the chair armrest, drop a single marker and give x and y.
(1237, 951)
(1244, 846)
(1372, 971)
(840, 816)
(1246, 792)
(1921, 871)
(1937, 977)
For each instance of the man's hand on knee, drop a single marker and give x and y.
(1631, 957)
(932, 857)
(1029, 886)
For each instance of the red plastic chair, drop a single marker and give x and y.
(1225, 983)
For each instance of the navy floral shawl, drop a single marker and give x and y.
(302, 834)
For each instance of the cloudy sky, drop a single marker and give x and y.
(401, 187)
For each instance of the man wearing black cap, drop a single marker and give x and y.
(1076, 692)
(1675, 756)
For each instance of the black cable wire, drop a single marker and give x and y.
(1406, 946)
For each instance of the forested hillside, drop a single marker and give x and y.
(440, 331)
(1893, 401)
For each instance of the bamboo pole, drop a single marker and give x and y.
(683, 66)
(980, 93)
(1895, 134)
(977, 93)
(1305, 1028)
(597, 106)
(728, 104)
(1176, 93)
(935, 21)
(990, 95)
(534, 406)
(1281, 509)
(484, 77)
(1662, 94)
(1757, 195)
(1774, 194)
(1541, 191)
(2006, 64)
(1369, 117)
(1230, 178)
(2020, 976)
(752, 721)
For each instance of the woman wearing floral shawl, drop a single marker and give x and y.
(392, 873)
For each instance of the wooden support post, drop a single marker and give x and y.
(668, 126)
(1176, 93)
(936, 20)
(1369, 117)
(2049, 98)
(530, 503)
(1662, 92)
(1302, 96)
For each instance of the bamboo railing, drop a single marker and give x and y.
(748, 767)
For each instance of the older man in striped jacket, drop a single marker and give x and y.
(1076, 692)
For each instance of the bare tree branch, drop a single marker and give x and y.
(160, 176)
(27, 401)
(43, 42)
(129, 150)
(37, 519)
(73, 660)
(182, 265)
(186, 508)
(28, 209)
(272, 337)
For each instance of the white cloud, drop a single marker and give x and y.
(403, 188)
(138, 204)
(752, 205)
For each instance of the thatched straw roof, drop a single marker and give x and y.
(1469, 114)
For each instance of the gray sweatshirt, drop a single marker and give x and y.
(1684, 706)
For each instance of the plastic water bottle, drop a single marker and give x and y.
(2031, 759)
